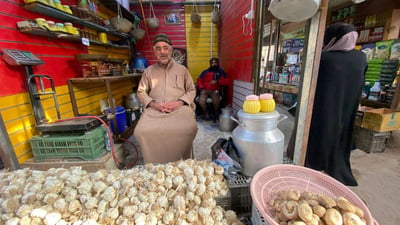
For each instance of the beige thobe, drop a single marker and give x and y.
(166, 137)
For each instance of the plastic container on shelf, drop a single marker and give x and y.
(103, 37)
(67, 9)
(58, 5)
(69, 28)
(51, 3)
(365, 90)
(51, 25)
(41, 22)
(375, 91)
(60, 27)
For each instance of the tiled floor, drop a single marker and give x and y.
(207, 134)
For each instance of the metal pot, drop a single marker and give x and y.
(132, 101)
(225, 122)
(258, 140)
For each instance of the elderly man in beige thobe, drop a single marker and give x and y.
(167, 127)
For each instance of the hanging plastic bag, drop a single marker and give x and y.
(119, 23)
(215, 16)
(195, 15)
(293, 11)
(152, 21)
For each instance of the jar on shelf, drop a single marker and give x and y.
(58, 5)
(60, 27)
(251, 104)
(67, 9)
(51, 25)
(41, 22)
(267, 102)
(51, 3)
(103, 37)
(69, 28)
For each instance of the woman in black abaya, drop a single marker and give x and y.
(338, 92)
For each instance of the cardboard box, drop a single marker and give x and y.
(381, 120)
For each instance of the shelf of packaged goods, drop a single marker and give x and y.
(68, 37)
(285, 88)
(61, 15)
(107, 80)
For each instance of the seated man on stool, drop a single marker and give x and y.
(208, 84)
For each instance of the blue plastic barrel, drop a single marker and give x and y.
(120, 116)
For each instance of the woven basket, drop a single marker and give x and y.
(195, 18)
(138, 33)
(215, 16)
(121, 24)
(195, 15)
(152, 23)
(272, 179)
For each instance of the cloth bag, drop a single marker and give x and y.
(215, 16)
(195, 15)
(152, 21)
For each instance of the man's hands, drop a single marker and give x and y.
(213, 82)
(166, 107)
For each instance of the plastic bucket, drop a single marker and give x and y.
(120, 116)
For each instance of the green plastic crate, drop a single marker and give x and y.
(86, 146)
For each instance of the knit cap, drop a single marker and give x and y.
(162, 37)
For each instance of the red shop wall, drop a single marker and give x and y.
(236, 41)
(176, 32)
(58, 55)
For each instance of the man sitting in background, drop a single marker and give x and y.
(208, 84)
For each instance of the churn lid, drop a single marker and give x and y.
(258, 116)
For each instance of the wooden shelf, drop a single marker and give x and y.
(285, 88)
(374, 104)
(61, 15)
(67, 37)
(107, 80)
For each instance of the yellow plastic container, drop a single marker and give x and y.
(267, 102)
(67, 9)
(51, 3)
(103, 37)
(251, 104)
(51, 25)
(60, 27)
(75, 31)
(41, 22)
(58, 5)
(69, 28)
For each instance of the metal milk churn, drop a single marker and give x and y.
(225, 122)
(258, 140)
